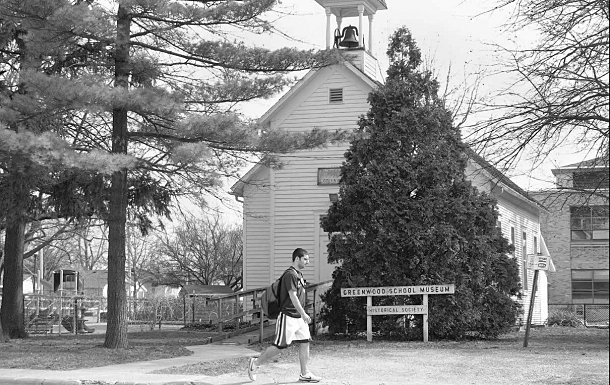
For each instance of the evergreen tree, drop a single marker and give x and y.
(147, 89)
(406, 215)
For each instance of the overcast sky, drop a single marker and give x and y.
(446, 29)
(450, 32)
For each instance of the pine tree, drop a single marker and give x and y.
(407, 215)
(147, 88)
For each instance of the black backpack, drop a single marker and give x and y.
(270, 301)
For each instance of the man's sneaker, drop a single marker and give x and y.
(309, 377)
(252, 369)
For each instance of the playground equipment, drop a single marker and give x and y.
(68, 321)
(68, 280)
(43, 321)
(57, 314)
(64, 307)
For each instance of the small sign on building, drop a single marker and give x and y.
(329, 176)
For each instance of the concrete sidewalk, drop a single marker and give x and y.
(139, 373)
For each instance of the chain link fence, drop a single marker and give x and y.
(591, 315)
(154, 312)
(46, 313)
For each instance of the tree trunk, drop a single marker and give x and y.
(3, 336)
(116, 332)
(11, 310)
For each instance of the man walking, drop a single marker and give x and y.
(293, 322)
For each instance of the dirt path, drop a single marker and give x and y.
(455, 366)
(553, 357)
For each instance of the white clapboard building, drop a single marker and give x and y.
(282, 207)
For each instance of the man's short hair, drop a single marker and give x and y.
(298, 252)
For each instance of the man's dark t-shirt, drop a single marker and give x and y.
(292, 280)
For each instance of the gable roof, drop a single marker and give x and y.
(44, 283)
(585, 165)
(499, 178)
(350, 9)
(95, 279)
(196, 289)
(307, 79)
(238, 187)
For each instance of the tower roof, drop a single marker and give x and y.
(349, 8)
(591, 163)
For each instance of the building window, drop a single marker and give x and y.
(589, 223)
(512, 239)
(590, 286)
(335, 95)
(591, 180)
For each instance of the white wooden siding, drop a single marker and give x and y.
(372, 69)
(525, 222)
(257, 231)
(317, 111)
(366, 63)
(297, 198)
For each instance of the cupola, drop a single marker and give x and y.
(349, 32)
(351, 36)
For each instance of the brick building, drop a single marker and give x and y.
(576, 232)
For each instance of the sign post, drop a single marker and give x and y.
(536, 263)
(425, 303)
(370, 292)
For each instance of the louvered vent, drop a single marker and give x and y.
(335, 95)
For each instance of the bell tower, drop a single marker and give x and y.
(351, 36)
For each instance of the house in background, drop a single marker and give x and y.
(164, 291)
(576, 228)
(210, 291)
(30, 285)
(95, 283)
(92, 283)
(283, 207)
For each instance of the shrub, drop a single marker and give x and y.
(564, 318)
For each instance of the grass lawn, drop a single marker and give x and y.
(67, 352)
(556, 356)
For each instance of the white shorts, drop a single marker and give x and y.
(289, 330)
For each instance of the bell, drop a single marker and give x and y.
(349, 39)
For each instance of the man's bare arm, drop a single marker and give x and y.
(298, 306)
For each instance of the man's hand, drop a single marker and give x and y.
(306, 318)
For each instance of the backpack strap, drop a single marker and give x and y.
(279, 283)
